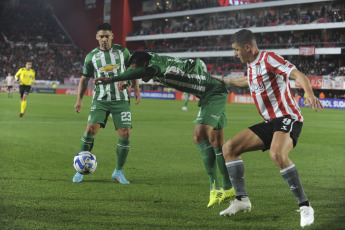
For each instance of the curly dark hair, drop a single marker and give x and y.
(139, 58)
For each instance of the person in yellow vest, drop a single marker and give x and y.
(25, 76)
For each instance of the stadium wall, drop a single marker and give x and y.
(79, 21)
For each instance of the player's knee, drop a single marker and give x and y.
(92, 129)
(124, 132)
(230, 150)
(278, 158)
(198, 137)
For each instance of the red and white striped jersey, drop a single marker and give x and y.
(268, 80)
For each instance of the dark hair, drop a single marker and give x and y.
(243, 37)
(104, 26)
(139, 58)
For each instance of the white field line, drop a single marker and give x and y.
(232, 119)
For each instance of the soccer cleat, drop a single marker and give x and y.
(21, 115)
(78, 177)
(236, 206)
(307, 215)
(184, 108)
(120, 177)
(215, 196)
(227, 194)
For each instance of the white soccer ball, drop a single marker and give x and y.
(85, 162)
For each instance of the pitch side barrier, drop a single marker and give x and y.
(327, 103)
(151, 94)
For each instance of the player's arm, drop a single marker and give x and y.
(240, 82)
(301, 79)
(17, 75)
(130, 74)
(34, 78)
(82, 87)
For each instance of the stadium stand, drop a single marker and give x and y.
(286, 27)
(194, 28)
(30, 31)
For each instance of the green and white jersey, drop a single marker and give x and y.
(185, 75)
(109, 63)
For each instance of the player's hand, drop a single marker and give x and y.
(314, 103)
(102, 81)
(77, 106)
(137, 96)
(122, 85)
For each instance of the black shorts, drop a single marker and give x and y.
(266, 129)
(9, 87)
(24, 89)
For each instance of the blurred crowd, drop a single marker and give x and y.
(241, 19)
(333, 38)
(33, 34)
(310, 66)
(163, 6)
(54, 62)
(30, 32)
(32, 25)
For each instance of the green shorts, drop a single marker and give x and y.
(212, 111)
(120, 111)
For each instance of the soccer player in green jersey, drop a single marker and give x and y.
(187, 75)
(107, 60)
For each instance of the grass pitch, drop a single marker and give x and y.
(169, 186)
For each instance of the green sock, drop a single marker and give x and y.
(122, 152)
(86, 143)
(209, 160)
(222, 168)
(187, 100)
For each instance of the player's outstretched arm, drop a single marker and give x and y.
(240, 82)
(311, 100)
(130, 74)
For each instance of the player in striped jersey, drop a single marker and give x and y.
(268, 79)
(190, 76)
(107, 60)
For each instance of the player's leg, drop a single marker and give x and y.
(21, 92)
(212, 117)
(244, 141)
(88, 137)
(216, 138)
(27, 89)
(186, 95)
(201, 139)
(23, 107)
(122, 117)
(86, 144)
(97, 119)
(282, 144)
(11, 90)
(122, 151)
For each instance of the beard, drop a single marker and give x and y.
(105, 45)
